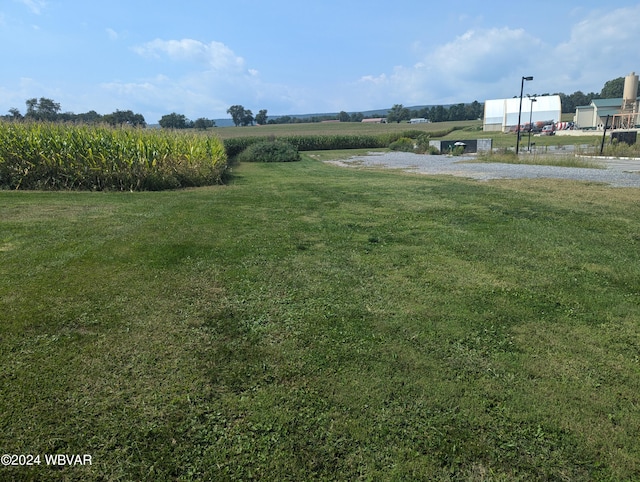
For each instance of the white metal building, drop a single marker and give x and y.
(502, 114)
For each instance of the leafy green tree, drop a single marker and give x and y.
(261, 117)
(247, 118)
(203, 123)
(613, 88)
(398, 113)
(15, 114)
(173, 121)
(357, 117)
(43, 109)
(344, 116)
(90, 117)
(473, 111)
(125, 117)
(439, 114)
(237, 113)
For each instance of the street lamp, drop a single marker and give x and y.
(532, 99)
(520, 111)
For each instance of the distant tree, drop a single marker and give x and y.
(173, 121)
(43, 109)
(15, 114)
(90, 117)
(456, 112)
(237, 113)
(439, 114)
(32, 105)
(473, 111)
(344, 116)
(247, 118)
(357, 117)
(203, 123)
(398, 113)
(613, 88)
(261, 117)
(125, 117)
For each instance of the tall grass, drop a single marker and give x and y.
(509, 157)
(53, 156)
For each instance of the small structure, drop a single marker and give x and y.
(419, 120)
(623, 113)
(501, 115)
(470, 146)
(375, 120)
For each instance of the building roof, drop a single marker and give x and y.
(600, 103)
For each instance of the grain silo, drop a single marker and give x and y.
(628, 116)
(630, 90)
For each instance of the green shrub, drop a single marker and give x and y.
(403, 144)
(270, 151)
(236, 145)
(422, 145)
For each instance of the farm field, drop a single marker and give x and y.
(461, 130)
(307, 321)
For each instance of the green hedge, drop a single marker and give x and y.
(269, 151)
(235, 146)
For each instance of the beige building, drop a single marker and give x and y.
(622, 113)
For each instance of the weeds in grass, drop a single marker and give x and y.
(509, 157)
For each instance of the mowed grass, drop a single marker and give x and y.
(308, 321)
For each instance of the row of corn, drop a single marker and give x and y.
(55, 156)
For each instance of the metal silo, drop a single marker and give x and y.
(630, 91)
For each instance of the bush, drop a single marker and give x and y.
(403, 144)
(236, 145)
(270, 151)
(422, 145)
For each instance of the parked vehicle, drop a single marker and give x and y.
(548, 130)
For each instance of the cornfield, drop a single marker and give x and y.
(53, 156)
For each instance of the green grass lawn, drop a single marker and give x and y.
(307, 321)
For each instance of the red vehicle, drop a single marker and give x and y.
(548, 130)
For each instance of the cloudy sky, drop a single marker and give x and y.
(197, 58)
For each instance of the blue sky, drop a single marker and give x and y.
(197, 58)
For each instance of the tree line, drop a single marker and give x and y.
(47, 110)
(44, 109)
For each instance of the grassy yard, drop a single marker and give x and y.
(307, 321)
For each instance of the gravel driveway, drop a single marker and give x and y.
(618, 172)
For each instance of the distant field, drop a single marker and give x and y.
(463, 130)
(343, 128)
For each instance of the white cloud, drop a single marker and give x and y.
(113, 35)
(456, 71)
(215, 79)
(488, 63)
(36, 6)
(214, 55)
(601, 47)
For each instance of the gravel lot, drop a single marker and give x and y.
(618, 172)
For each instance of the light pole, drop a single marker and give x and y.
(532, 99)
(520, 111)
